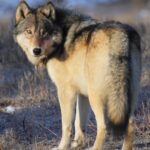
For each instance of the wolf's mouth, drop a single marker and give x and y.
(40, 57)
(37, 56)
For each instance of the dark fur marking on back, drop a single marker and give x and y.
(104, 25)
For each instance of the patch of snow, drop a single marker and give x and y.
(10, 109)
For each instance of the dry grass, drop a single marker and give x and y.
(36, 124)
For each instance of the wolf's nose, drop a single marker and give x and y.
(37, 51)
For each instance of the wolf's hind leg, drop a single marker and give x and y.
(128, 139)
(82, 109)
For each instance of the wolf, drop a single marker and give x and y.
(94, 65)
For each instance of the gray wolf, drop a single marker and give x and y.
(93, 64)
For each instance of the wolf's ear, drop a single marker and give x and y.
(22, 11)
(48, 10)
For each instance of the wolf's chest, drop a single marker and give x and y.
(61, 75)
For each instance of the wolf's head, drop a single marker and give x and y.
(36, 31)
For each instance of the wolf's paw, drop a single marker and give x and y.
(77, 145)
(57, 148)
(79, 142)
(91, 148)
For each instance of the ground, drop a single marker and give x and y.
(29, 111)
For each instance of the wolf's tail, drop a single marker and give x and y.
(119, 104)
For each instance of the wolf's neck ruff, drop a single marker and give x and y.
(71, 27)
(59, 54)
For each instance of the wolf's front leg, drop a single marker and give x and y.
(67, 98)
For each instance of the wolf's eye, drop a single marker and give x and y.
(29, 32)
(45, 35)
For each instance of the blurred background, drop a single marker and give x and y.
(29, 111)
(139, 9)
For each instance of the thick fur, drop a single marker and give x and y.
(85, 59)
